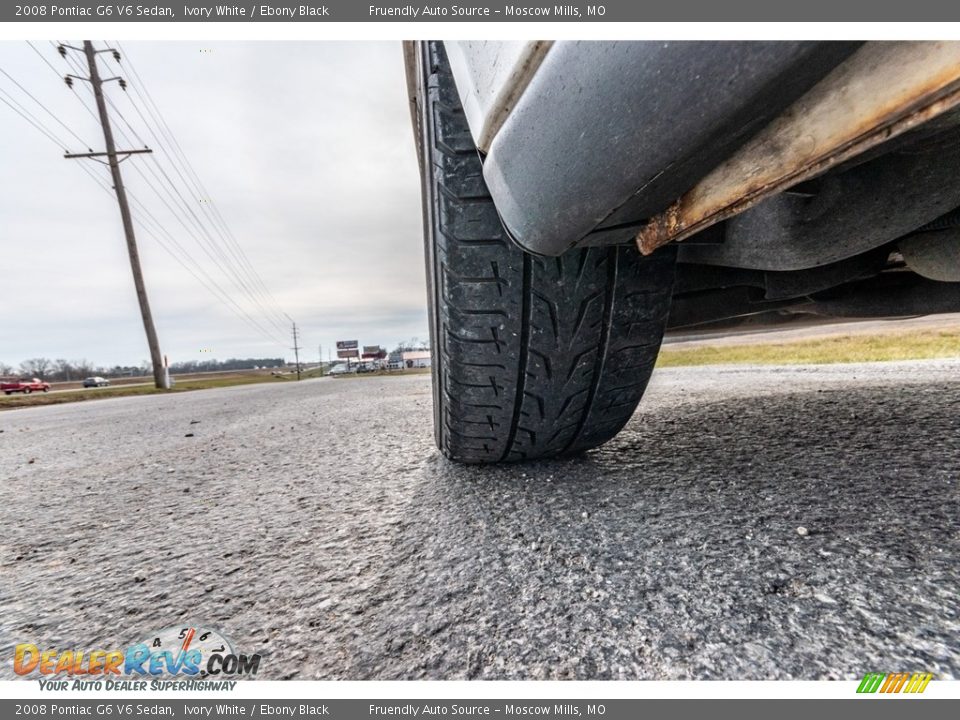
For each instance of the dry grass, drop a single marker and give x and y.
(917, 345)
(57, 398)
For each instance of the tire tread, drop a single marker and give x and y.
(536, 357)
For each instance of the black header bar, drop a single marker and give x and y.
(740, 11)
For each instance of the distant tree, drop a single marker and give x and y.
(414, 343)
(83, 368)
(62, 369)
(192, 366)
(6, 369)
(36, 367)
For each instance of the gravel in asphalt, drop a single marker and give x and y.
(749, 523)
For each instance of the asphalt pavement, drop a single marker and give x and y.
(750, 523)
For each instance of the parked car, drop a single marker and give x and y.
(95, 382)
(580, 198)
(341, 369)
(24, 386)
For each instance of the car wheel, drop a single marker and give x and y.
(27, 391)
(46, 389)
(7, 392)
(534, 357)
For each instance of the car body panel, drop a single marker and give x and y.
(606, 134)
(491, 76)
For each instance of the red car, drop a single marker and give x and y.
(24, 386)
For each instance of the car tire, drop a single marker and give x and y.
(534, 357)
(27, 391)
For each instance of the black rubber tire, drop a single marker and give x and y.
(533, 357)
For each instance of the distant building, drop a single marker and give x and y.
(416, 358)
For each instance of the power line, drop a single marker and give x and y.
(213, 288)
(26, 115)
(191, 219)
(176, 214)
(104, 185)
(209, 247)
(248, 282)
(213, 210)
(227, 268)
(42, 57)
(199, 223)
(247, 278)
(228, 299)
(126, 122)
(45, 108)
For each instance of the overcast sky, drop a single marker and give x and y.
(307, 151)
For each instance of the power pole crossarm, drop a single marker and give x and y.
(125, 153)
(159, 376)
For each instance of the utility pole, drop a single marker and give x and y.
(160, 377)
(296, 348)
(320, 356)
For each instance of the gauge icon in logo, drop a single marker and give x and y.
(178, 641)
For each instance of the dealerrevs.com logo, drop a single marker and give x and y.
(187, 653)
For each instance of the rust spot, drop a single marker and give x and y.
(661, 229)
(787, 152)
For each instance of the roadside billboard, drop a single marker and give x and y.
(347, 349)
